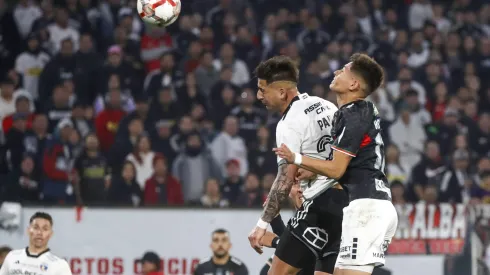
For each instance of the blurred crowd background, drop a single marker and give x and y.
(98, 108)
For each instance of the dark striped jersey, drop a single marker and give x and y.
(356, 131)
(233, 267)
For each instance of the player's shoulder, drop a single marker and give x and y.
(205, 260)
(359, 107)
(16, 253)
(236, 261)
(51, 257)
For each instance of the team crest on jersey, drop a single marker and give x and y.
(44, 267)
(323, 142)
(384, 245)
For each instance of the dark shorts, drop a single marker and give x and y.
(313, 234)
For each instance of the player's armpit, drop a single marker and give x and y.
(333, 169)
(280, 191)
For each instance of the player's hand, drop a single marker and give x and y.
(267, 239)
(284, 153)
(303, 174)
(254, 238)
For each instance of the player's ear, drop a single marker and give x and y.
(354, 85)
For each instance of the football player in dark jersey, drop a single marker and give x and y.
(221, 262)
(370, 220)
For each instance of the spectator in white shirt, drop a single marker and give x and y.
(25, 13)
(404, 82)
(7, 100)
(418, 12)
(30, 64)
(228, 145)
(240, 70)
(409, 136)
(60, 30)
(142, 158)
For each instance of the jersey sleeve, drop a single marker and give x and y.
(64, 268)
(292, 137)
(4, 270)
(350, 127)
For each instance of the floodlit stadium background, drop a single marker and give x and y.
(100, 70)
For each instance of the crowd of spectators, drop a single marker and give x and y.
(99, 108)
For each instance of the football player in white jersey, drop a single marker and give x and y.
(315, 230)
(36, 258)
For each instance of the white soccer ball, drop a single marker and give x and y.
(158, 12)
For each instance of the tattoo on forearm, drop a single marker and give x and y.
(278, 194)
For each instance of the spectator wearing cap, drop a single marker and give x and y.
(30, 64)
(229, 145)
(151, 264)
(193, 166)
(94, 172)
(60, 68)
(240, 72)
(59, 174)
(107, 121)
(7, 101)
(116, 64)
(162, 188)
(22, 106)
(59, 107)
(14, 140)
(60, 30)
(23, 184)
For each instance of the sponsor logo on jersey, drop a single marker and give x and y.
(44, 267)
(312, 107)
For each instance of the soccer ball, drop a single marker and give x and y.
(158, 12)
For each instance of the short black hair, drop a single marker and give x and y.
(41, 215)
(278, 68)
(5, 249)
(220, 231)
(369, 70)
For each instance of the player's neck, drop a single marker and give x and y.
(221, 261)
(346, 98)
(291, 96)
(36, 251)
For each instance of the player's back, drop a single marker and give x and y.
(307, 125)
(20, 261)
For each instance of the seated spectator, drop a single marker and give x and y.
(395, 169)
(7, 102)
(212, 196)
(22, 106)
(14, 140)
(162, 188)
(397, 192)
(195, 157)
(124, 189)
(107, 121)
(59, 175)
(23, 184)
(233, 184)
(251, 195)
(142, 158)
(93, 171)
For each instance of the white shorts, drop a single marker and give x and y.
(367, 229)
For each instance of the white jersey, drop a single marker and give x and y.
(21, 262)
(306, 128)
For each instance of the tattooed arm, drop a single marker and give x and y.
(280, 191)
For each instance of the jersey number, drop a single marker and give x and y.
(322, 145)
